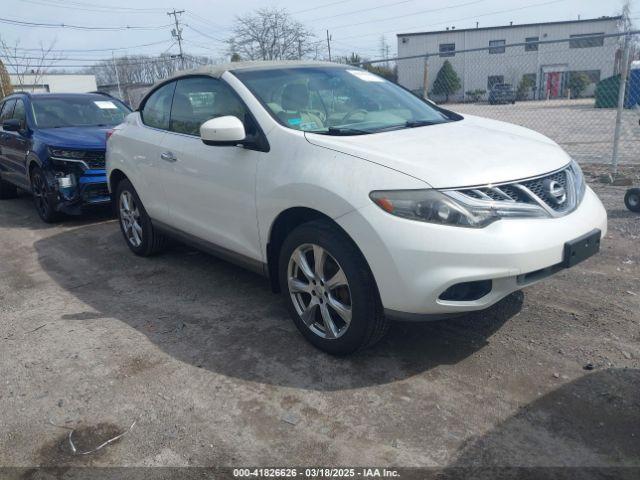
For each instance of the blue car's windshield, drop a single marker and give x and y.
(59, 112)
(337, 100)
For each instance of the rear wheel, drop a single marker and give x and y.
(42, 197)
(7, 190)
(135, 223)
(632, 199)
(329, 289)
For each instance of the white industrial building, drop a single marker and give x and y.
(54, 83)
(548, 66)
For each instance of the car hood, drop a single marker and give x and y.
(74, 137)
(473, 151)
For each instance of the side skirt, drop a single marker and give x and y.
(243, 261)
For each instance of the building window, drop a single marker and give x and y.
(586, 40)
(531, 44)
(494, 80)
(497, 46)
(447, 49)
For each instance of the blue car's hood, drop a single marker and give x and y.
(74, 137)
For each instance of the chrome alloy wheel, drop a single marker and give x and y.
(130, 219)
(319, 291)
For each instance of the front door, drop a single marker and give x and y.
(554, 84)
(5, 140)
(211, 191)
(145, 146)
(16, 147)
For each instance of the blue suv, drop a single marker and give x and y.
(53, 145)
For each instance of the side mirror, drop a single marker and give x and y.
(223, 132)
(11, 125)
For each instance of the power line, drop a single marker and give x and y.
(320, 6)
(205, 34)
(431, 10)
(91, 7)
(24, 23)
(92, 50)
(352, 12)
(206, 22)
(459, 19)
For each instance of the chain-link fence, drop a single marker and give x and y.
(567, 89)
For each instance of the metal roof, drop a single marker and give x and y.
(563, 22)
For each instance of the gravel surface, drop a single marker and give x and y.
(204, 357)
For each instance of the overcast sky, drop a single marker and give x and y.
(355, 25)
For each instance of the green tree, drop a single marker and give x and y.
(526, 83)
(447, 81)
(236, 57)
(578, 82)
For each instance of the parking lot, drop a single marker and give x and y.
(584, 131)
(204, 357)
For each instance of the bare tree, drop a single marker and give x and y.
(5, 82)
(271, 34)
(36, 63)
(142, 69)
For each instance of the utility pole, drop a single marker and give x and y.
(115, 66)
(329, 44)
(177, 32)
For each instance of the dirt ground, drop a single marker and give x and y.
(204, 358)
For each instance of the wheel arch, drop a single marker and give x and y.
(32, 162)
(284, 224)
(115, 177)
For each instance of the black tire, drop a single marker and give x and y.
(43, 196)
(632, 199)
(368, 323)
(151, 241)
(7, 190)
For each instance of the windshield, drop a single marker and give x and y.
(90, 111)
(337, 101)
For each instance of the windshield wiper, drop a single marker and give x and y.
(419, 123)
(337, 131)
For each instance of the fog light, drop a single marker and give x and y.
(467, 291)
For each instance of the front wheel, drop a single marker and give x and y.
(632, 199)
(329, 289)
(42, 197)
(135, 223)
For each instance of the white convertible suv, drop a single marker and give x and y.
(358, 200)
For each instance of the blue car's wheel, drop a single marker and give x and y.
(42, 197)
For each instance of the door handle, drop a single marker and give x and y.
(168, 157)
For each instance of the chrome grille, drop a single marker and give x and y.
(554, 192)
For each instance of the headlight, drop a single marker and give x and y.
(433, 206)
(67, 154)
(578, 181)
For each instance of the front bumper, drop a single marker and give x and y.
(415, 262)
(88, 190)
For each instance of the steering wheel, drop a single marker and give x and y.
(353, 113)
